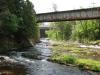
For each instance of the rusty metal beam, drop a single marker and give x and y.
(79, 14)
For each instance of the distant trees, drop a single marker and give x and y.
(61, 30)
(54, 6)
(86, 31)
(82, 31)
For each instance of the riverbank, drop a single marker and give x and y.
(72, 54)
(33, 61)
(10, 66)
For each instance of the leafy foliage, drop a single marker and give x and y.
(29, 20)
(61, 31)
(81, 31)
(86, 31)
(9, 24)
(18, 21)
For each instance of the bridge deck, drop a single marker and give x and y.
(79, 14)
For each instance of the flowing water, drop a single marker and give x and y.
(44, 67)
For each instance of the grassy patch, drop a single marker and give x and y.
(63, 59)
(88, 64)
(73, 54)
(80, 62)
(68, 47)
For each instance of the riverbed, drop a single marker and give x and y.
(42, 66)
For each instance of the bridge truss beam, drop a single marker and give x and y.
(79, 14)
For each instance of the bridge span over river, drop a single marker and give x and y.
(70, 15)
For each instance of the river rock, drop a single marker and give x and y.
(7, 59)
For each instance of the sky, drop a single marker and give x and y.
(43, 6)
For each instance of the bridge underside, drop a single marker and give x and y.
(80, 14)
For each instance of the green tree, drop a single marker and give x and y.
(97, 29)
(17, 23)
(61, 30)
(24, 10)
(16, 7)
(9, 24)
(29, 20)
(85, 31)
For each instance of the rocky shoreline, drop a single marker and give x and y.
(10, 66)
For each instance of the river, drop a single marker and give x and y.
(44, 67)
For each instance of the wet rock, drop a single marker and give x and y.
(7, 59)
(31, 56)
(9, 66)
(6, 73)
(2, 59)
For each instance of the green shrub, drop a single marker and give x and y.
(88, 64)
(80, 62)
(69, 59)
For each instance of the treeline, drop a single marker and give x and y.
(17, 21)
(82, 31)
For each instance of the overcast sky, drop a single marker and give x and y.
(42, 6)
